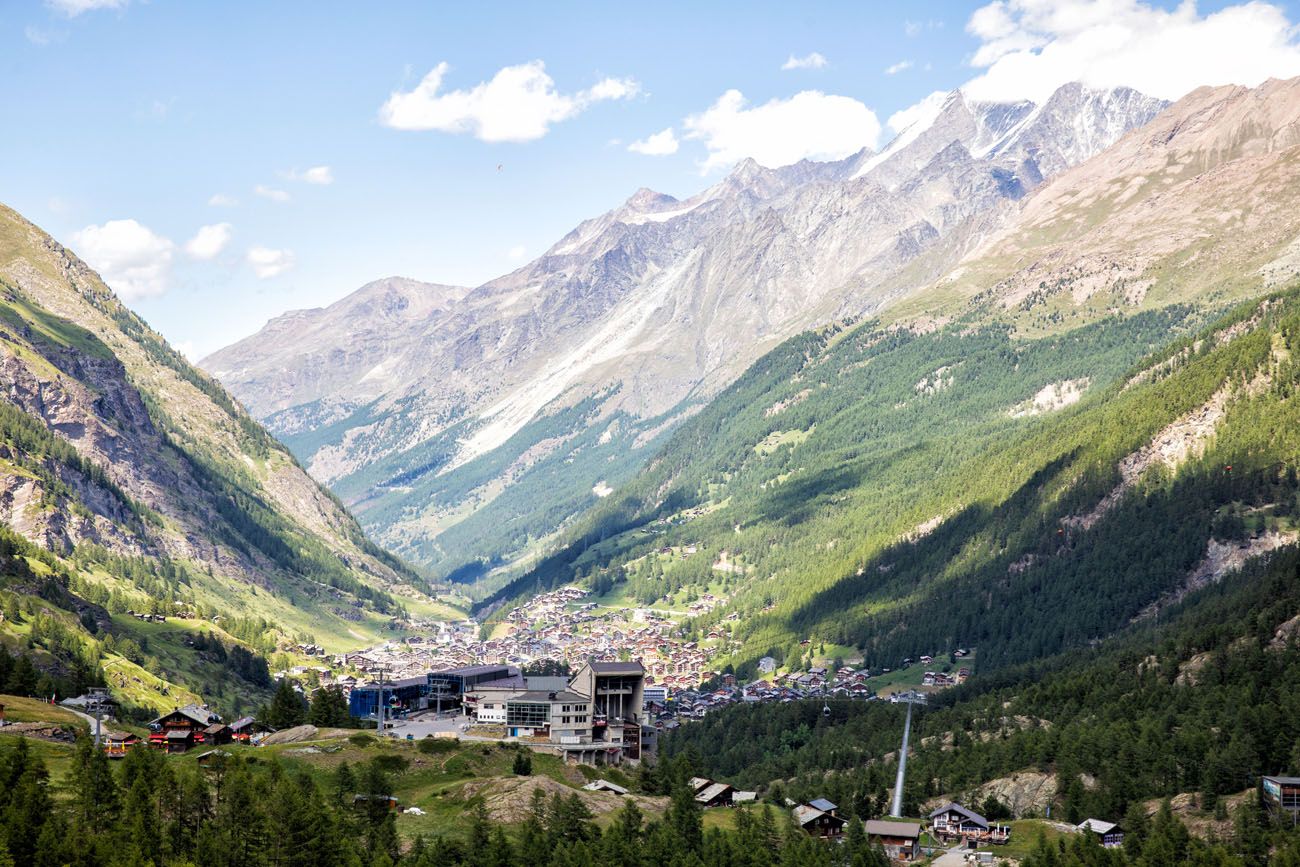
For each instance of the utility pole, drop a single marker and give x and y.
(382, 668)
(896, 810)
(97, 697)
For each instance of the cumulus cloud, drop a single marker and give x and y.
(519, 104)
(810, 124)
(134, 262)
(1028, 48)
(209, 241)
(809, 61)
(926, 108)
(73, 8)
(900, 66)
(271, 193)
(268, 262)
(516, 252)
(660, 144)
(221, 200)
(319, 175)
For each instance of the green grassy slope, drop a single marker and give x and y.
(915, 518)
(129, 480)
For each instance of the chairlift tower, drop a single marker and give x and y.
(98, 696)
(896, 809)
(382, 668)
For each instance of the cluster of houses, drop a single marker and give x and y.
(146, 617)
(551, 626)
(711, 793)
(183, 729)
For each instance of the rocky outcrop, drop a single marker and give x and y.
(108, 436)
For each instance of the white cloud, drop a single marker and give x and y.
(898, 67)
(268, 263)
(1028, 48)
(517, 252)
(209, 241)
(271, 193)
(40, 36)
(519, 104)
(73, 8)
(809, 61)
(810, 125)
(660, 144)
(926, 108)
(221, 200)
(319, 175)
(915, 28)
(133, 261)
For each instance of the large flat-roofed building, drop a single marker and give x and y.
(446, 688)
(561, 717)
(406, 694)
(617, 691)
(1282, 793)
(593, 717)
(436, 690)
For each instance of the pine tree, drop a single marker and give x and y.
(287, 707)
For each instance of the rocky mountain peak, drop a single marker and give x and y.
(640, 313)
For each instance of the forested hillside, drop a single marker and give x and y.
(157, 539)
(903, 493)
(1203, 702)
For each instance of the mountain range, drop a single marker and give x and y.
(465, 426)
(1061, 417)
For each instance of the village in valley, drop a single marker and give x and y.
(568, 677)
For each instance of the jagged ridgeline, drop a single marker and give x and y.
(891, 492)
(132, 482)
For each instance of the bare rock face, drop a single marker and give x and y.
(109, 437)
(638, 316)
(1199, 202)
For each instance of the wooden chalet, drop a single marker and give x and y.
(361, 802)
(181, 729)
(116, 744)
(210, 757)
(900, 840)
(217, 733)
(818, 823)
(714, 795)
(243, 729)
(1111, 834)
(952, 821)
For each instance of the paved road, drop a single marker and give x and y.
(427, 724)
(954, 857)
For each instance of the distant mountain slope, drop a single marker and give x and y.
(1199, 204)
(979, 466)
(149, 487)
(896, 494)
(535, 392)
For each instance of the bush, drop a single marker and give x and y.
(391, 764)
(429, 745)
(361, 739)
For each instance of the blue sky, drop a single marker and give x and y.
(130, 125)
